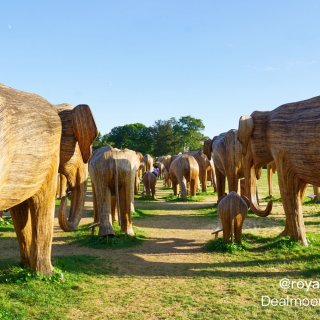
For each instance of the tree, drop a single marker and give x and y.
(163, 137)
(172, 136)
(134, 136)
(188, 130)
(100, 141)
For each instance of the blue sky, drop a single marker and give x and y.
(141, 61)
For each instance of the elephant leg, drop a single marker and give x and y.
(136, 184)
(183, 188)
(213, 180)
(125, 213)
(226, 226)
(193, 188)
(238, 222)
(104, 211)
(42, 206)
(94, 197)
(269, 174)
(147, 189)
(292, 190)
(22, 224)
(316, 192)
(175, 186)
(221, 184)
(114, 216)
(233, 183)
(204, 181)
(62, 186)
(153, 190)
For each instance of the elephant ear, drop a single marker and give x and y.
(246, 126)
(207, 148)
(84, 129)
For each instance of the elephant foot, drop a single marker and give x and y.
(302, 240)
(106, 231)
(129, 231)
(283, 233)
(42, 265)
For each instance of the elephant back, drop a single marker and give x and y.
(233, 204)
(184, 165)
(30, 132)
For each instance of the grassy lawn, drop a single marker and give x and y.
(172, 269)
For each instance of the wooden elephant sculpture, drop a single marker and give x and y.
(284, 135)
(271, 169)
(211, 175)
(148, 160)
(204, 166)
(166, 179)
(166, 161)
(139, 173)
(149, 181)
(226, 152)
(184, 170)
(30, 134)
(232, 210)
(78, 134)
(112, 174)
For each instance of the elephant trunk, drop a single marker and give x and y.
(71, 221)
(251, 186)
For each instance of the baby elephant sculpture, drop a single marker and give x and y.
(149, 181)
(232, 210)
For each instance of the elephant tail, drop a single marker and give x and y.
(116, 179)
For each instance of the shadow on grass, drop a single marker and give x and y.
(272, 260)
(84, 238)
(255, 243)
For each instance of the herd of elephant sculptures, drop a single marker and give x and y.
(41, 142)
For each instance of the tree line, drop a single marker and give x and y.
(163, 137)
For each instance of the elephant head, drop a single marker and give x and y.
(255, 154)
(78, 133)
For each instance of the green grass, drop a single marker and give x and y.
(83, 237)
(6, 226)
(173, 198)
(139, 214)
(27, 295)
(168, 271)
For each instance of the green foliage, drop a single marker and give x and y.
(164, 137)
(101, 141)
(188, 133)
(134, 136)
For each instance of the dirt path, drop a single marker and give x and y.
(176, 233)
(175, 236)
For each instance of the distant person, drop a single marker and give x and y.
(156, 171)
